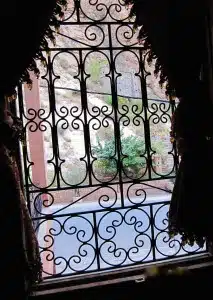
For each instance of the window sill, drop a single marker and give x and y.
(131, 275)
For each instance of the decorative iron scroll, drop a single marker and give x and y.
(94, 211)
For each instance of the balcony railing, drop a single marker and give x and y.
(91, 237)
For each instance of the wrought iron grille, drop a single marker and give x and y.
(97, 160)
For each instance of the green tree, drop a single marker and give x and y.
(105, 154)
(121, 100)
(131, 147)
(95, 67)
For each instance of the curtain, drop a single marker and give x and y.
(174, 37)
(173, 32)
(25, 29)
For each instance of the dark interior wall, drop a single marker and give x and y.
(210, 49)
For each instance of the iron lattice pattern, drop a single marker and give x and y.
(98, 162)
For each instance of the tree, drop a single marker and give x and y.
(131, 149)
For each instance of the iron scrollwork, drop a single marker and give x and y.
(93, 210)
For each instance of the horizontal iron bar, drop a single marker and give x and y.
(106, 94)
(133, 264)
(101, 210)
(90, 47)
(94, 22)
(103, 184)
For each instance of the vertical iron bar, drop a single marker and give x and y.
(116, 122)
(85, 108)
(54, 127)
(24, 148)
(97, 250)
(77, 6)
(152, 222)
(146, 123)
(176, 157)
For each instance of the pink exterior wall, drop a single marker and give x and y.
(37, 155)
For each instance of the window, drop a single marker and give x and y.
(98, 163)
